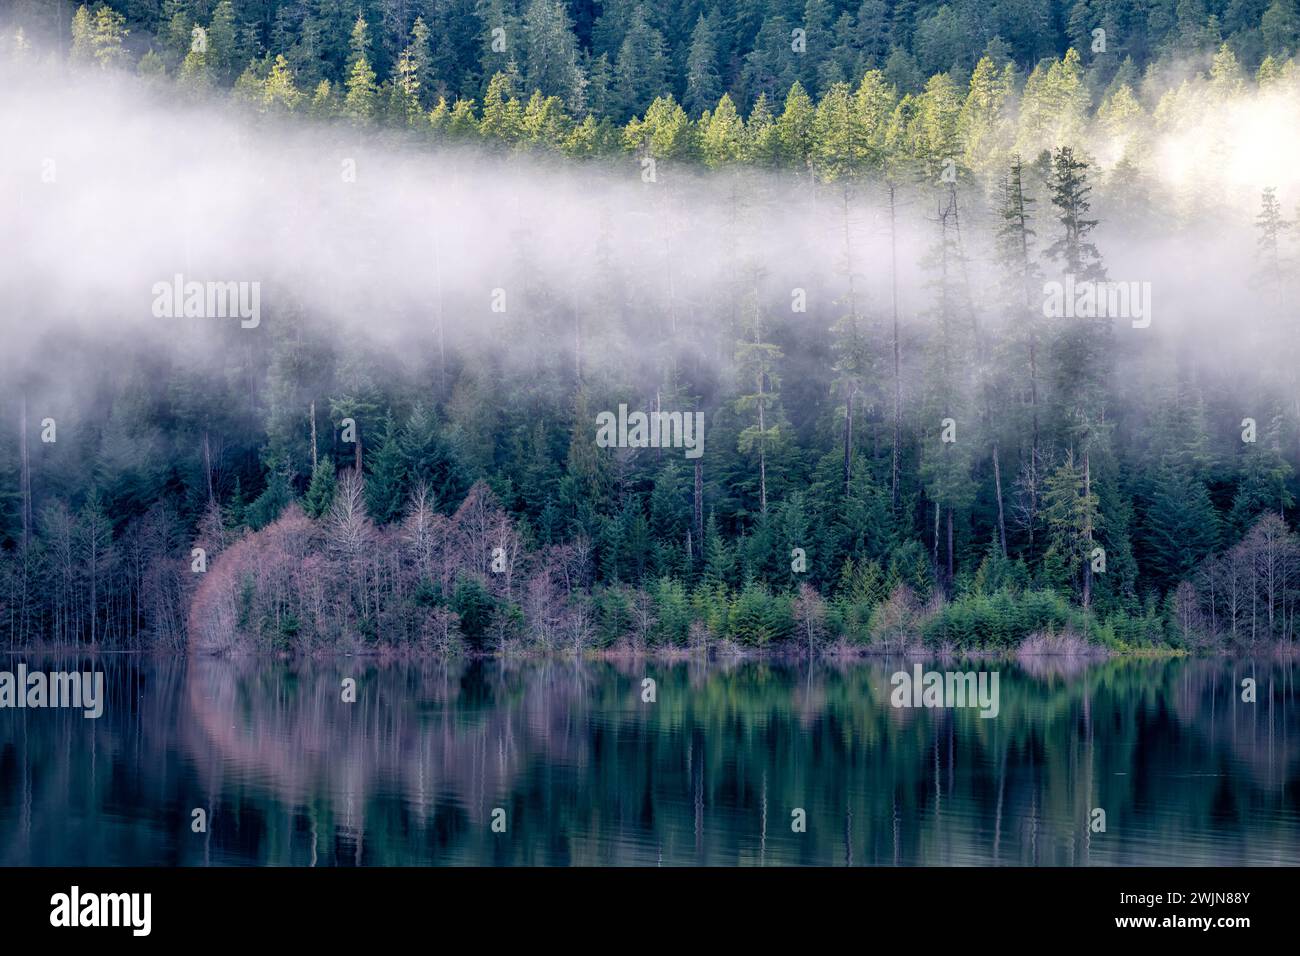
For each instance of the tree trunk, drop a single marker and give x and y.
(1033, 451)
(94, 584)
(699, 504)
(762, 465)
(1087, 560)
(898, 375)
(848, 442)
(26, 476)
(25, 479)
(207, 465)
(850, 389)
(936, 537)
(950, 556)
(1002, 518)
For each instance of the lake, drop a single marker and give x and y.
(576, 768)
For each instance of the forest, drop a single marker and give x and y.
(839, 245)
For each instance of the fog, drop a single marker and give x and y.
(109, 189)
(347, 229)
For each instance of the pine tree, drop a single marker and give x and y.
(841, 144)
(666, 132)
(385, 488)
(1181, 528)
(196, 73)
(1082, 348)
(947, 455)
(320, 493)
(818, 37)
(420, 52)
(703, 84)
(721, 134)
(1271, 228)
(94, 548)
(769, 69)
(223, 42)
(1070, 193)
(719, 561)
(275, 497)
(83, 49)
(641, 71)
(840, 64)
(762, 147)
(1262, 486)
(936, 142)
(98, 37)
(545, 124)
(1053, 107)
(795, 129)
(983, 127)
(432, 457)
(551, 63)
(362, 96)
(1020, 273)
(404, 107)
(756, 361)
(1070, 512)
(503, 117)
(873, 33)
(463, 124)
(278, 92)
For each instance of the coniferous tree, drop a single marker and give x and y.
(769, 68)
(703, 84)
(1182, 528)
(1015, 240)
(551, 64)
(320, 493)
(361, 99)
(1070, 512)
(1071, 195)
(756, 363)
(951, 431)
(641, 70)
(385, 486)
(404, 92)
(1271, 227)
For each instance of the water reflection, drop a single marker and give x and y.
(710, 773)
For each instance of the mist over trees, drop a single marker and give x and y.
(844, 270)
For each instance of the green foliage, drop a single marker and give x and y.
(1001, 620)
(386, 484)
(476, 607)
(758, 618)
(320, 493)
(672, 612)
(275, 497)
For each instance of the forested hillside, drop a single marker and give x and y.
(612, 59)
(844, 258)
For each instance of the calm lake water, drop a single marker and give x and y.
(710, 773)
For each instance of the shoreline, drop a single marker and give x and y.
(729, 655)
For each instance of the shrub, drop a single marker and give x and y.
(758, 618)
(1000, 620)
